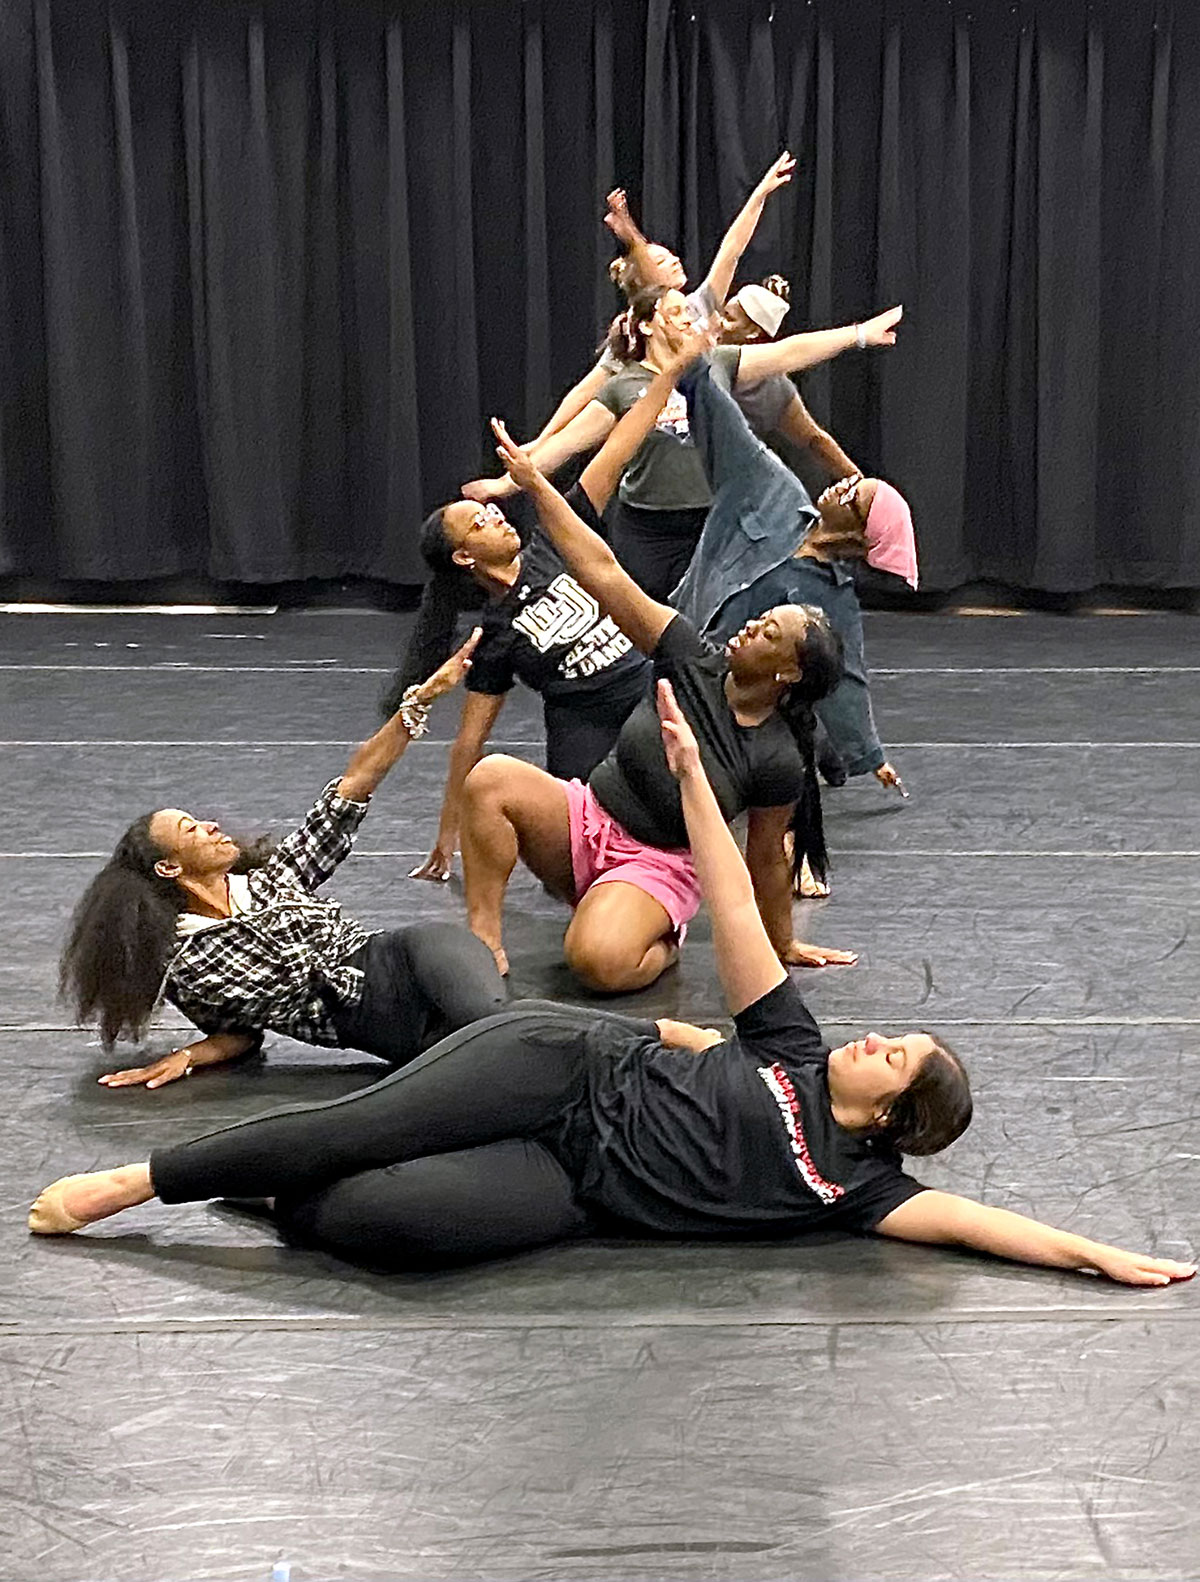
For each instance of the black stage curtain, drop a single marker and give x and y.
(265, 269)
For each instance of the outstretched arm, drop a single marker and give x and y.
(941, 1217)
(214, 1050)
(573, 403)
(771, 876)
(583, 432)
(739, 235)
(592, 562)
(480, 712)
(797, 423)
(375, 757)
(797, 352)
(746, 960)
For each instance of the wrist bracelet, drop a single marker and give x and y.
(860, 338)
(414, 713)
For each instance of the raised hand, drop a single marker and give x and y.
(447, 676)
(516, 461)
(679, 739)
(688, 346)
(619, 220)
(777, 174)
(881, 330)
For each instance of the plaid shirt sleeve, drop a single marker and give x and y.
(310, 854)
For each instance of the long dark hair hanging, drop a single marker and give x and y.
(450, 591)
(122, 935)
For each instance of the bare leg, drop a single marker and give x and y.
(511, 809)
(619, 939)
(81, 1200)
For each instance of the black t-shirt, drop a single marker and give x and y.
(747, 765)
(551, 634)
(738, 1138)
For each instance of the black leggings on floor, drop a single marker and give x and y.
(420, 983)
(460, 1156)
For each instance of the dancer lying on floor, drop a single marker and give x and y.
(547, 1122)
(539, 625)
(616, 848)
(765, 545)
(664, 496)
(237, 941)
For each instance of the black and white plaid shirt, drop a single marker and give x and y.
(280, 962)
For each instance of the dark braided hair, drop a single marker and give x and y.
(122, 935)
(819, 655)
(450, 591)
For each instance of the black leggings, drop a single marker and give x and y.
(656, 547)
(577, 740)
(420, 983)
(462, 1155)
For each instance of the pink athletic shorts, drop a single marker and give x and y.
(603, 850)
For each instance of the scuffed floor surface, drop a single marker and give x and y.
(185, 1399)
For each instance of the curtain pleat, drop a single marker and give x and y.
(266, 268)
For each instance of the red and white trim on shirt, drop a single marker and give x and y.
(784, 1094)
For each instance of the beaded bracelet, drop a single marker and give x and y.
(414, 713)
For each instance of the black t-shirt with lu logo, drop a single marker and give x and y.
(747, 765)
(737, 1139)
(551, 634)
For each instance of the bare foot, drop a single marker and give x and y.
(82, 1200)
(501, 959)
(809, 886)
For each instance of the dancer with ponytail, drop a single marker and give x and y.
(539, 625)
(236, 939)
(615, 848)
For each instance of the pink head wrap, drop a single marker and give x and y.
(889, 532)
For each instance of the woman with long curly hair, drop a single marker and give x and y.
(235, 937)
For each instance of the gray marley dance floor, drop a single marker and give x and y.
(183, 1398)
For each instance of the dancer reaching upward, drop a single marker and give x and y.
(664, 493)
(645, 263)
(236, 938)
(616, 848)
(546, 1122)
(540, 626)
(765, 544)
(774, 406)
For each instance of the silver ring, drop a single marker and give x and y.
(187, 1071)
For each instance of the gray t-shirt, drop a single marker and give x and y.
(666, 474)
(763, 403)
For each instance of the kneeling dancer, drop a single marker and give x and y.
(617, 847)
(546, 1122)
(235, 938)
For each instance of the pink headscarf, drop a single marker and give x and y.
(889, 532)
